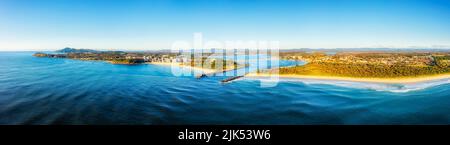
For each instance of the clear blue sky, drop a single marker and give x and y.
(145, 24)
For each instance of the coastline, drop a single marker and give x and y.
(354, 79)
(204, 70)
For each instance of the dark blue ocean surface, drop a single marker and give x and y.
(62, 91)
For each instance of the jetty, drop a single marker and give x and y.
(231, 79)
(201, 76)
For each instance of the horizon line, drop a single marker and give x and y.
(162, 49)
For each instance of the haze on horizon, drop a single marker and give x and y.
(144, 25)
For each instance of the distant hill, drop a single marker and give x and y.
(73, 50)
(365, 50)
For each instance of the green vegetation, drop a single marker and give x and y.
(363, 70)
(40, 54)
(127, 61)
(120, 57)
(213, 63)
(373, 65)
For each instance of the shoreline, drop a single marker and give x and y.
(204, 70)
(405, 80)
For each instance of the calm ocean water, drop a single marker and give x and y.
(62, 91)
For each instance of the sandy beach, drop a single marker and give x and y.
(205, 70)
(373, 80)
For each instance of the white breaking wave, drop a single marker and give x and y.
(397, 88)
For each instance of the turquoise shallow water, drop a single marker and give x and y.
(62, 91)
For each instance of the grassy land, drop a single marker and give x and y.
(364, 70)
(370, 65)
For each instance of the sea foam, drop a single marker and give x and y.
(396, 88)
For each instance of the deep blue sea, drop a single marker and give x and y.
(63, 91)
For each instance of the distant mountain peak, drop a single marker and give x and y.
(74, 50)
